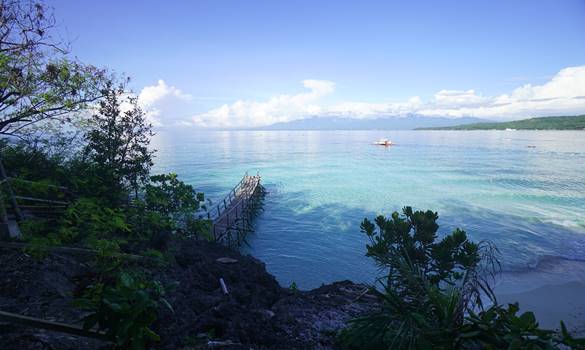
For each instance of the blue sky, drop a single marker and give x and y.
(364, 58)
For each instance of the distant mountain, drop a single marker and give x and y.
(542, 123)
(381, 123)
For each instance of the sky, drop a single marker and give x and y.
(232, 64)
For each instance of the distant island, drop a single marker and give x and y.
(542, 123)
(408, 122)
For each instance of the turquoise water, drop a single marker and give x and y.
(321, 184)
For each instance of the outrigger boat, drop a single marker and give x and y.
(384, 142)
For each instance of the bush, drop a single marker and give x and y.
(169, 205)
(125, 310)
(31, 163)
(87, 218)
(432, 291)
(168, 195)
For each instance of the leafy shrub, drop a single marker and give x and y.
(28, 162)
(35, 231)
(39, 247)
(108, 257)
(200, 228)
(87, 218)
(169, 205)
(146, 223)
(125, 310)
(500, 327)
(166, 194)
(432, 290)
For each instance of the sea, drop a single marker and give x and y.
(522, 190)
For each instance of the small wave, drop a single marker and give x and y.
(545, 262)
(545, 270)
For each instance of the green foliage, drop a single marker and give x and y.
(39, 247)
(27, 162)
(408, 243)
(432, 292)
(501, 327)
(435, 324)
(40, 172)
(169, 205)
(118, 143)
(125, 310)
(40, 91)
(37, 80)
(34, 231)
(146, 223)
(199, 228)
(35, 227)
(87, 218)
(108, 257)
(166, 194)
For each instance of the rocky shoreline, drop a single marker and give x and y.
(257, 313)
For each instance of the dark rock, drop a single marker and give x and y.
(257, 313)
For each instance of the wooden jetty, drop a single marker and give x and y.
(230, 217)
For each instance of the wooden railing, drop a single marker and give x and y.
(234, 210)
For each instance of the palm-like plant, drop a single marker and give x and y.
(433, 292)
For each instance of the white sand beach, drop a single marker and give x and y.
(554, 291)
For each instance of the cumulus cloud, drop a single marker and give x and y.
(151, 94)
(277, 109)
(458, 98)
(161, 97)
(563, 94)
(365, 110)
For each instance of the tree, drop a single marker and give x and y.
(118, 141)
(37, 80)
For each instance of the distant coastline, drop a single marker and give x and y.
(542, 123)
(409, 122)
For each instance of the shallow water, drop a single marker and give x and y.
(321, 184)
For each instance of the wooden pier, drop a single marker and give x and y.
(230, 217)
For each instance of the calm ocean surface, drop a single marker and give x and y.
(321, 184)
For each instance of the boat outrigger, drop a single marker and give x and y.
(384, 142)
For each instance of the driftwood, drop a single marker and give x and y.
(212, 344)
(41, 200)
(70, 250)
(223, 286)
(51, 326)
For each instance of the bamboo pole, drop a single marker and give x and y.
(50, 325)
(71, 250)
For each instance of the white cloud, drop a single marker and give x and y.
(156, 98)
(152, 94)
(563, 94)
(458, 98)
(365, 110)
(277, 109)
